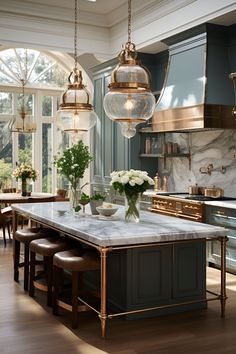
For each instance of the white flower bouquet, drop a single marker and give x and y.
(25, 172)
(132, 183)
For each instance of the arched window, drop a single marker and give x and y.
(45, 81)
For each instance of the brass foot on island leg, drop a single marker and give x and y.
(103, 326)
(103, 313)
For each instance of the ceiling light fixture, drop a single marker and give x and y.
(23, 122)
(232, 76)
(76, 114)
(129, 100)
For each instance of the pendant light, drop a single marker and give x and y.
(23, 122)
(129, 100)
(232, 76)
(76, 114)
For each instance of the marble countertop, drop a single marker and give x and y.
(115, 231)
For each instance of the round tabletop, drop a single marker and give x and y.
(18, 198)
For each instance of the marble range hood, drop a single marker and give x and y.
(197, 93)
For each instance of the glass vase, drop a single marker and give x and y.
(74, 197)
(132, 207)
(24, 187)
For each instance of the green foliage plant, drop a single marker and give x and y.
(73, 163)
(98, 196)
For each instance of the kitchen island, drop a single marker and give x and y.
(170, 247)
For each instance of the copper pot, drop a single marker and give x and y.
(213, 192)
(193, 189)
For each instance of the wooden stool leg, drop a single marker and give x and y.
(74, 299)
(26, 267)
(9, 230)
(32, 273)
(16, 260)
(4, 236)
(49, 280)
(55, 291)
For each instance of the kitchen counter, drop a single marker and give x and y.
(150, 268)
(115, 231)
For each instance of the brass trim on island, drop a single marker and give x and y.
(103, 315)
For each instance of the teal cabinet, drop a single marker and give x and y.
(224, 217)
(156, 276)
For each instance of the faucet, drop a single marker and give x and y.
(83, 185)
(206, 170)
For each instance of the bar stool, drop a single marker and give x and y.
(46, 247)
(25, 236)
(75, 261)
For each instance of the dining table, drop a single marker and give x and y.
(153, 232)
(11, 198)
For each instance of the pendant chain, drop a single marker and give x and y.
(129, 21)
(75, 39)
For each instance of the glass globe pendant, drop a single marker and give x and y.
(76, 114)
(129, 100)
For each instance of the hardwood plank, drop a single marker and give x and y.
(27, 325)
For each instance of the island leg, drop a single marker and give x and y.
(103, 315)
(223, 296)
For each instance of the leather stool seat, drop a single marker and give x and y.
(46, 247)
(75, 261)
(33, 233)
(25, 236)
(49, 246)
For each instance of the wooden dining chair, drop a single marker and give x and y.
(5, 222)
(9, 190)
(61, 195)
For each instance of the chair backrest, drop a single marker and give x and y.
(42, 200)
(61, 193)
(9, 190)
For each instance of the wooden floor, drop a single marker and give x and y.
(27, 325)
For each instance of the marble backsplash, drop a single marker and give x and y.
(216, 147)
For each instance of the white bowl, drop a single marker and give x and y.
(61, 212)
(107, 211)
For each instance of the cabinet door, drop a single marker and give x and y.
(97, 147)
(120, 149)
(223, 217)
(189, 270)
(108, 138)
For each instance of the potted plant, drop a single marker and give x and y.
(72, 165)
(96, 200)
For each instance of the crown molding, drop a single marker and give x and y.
(40, 26)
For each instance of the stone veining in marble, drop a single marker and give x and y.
(152, 227)
(217, 147)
